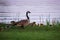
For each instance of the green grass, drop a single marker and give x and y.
(42, 35)
(44, 32)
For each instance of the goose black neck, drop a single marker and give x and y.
(27, 15)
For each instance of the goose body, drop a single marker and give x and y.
(24, 22)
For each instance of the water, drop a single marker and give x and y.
(41, 10)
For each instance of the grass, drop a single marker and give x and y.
(30, 35)
(44, 32)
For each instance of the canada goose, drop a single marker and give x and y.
(24, 22)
